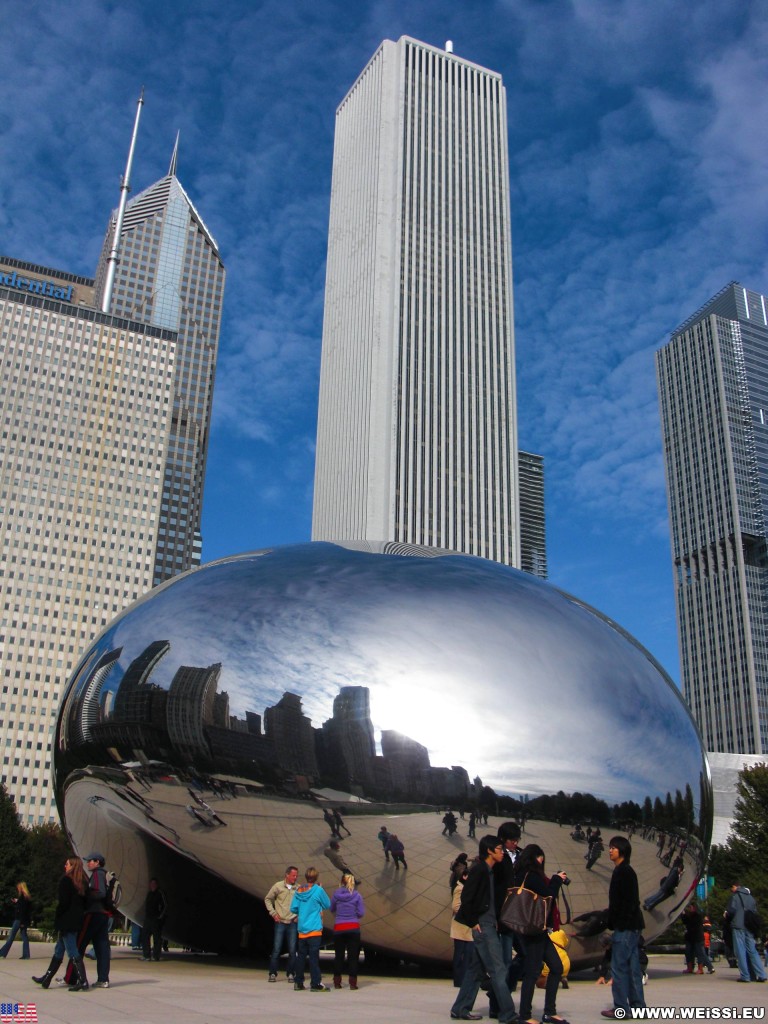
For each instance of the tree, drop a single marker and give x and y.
(743, 857)
(47, 849)
(13, 840)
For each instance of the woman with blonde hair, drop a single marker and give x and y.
(21, 921)
(70, 911)
(347, 904)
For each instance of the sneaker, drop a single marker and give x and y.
(100, 984)
(298, 986)
(146, 959)
(319, 988)
(272, 977)
(290, 977)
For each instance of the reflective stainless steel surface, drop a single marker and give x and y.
(207, 730)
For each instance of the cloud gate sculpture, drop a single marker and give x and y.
(211, 734)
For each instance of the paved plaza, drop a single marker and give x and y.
(187, 990)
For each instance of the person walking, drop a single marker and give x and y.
(155, 909)
(308, 903)
(22, 918)
(347, 904)
(740, 905)
(625, 919)
(539, 949)
(278, 903)
(460, 933)
(477, 911)
(70, 910)
(97, 918)
(693, 922)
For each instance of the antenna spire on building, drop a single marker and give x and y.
(125, 188)
(174, 157)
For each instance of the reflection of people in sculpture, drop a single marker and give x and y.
(396, 848)
(595, 849)
(539, 949)
(347, 904)
(471, 825)
(383, 838)
(334, 855)
(339, 822)
(330, 822)
(449, 823)
(667, 886)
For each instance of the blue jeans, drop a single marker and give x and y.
(485, 958)
(66, 942)
(285, 933)
(309, 947)
(746, 955)
(17, 926)
(626, 970)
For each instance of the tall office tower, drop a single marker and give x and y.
(417, 436)
(85, 413)
(171, 275)
(713, 388)
(533, 535)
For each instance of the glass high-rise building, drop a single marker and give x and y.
(533, 533)
(417, 436)
(104, 422)
(171, 275)
(713, 389)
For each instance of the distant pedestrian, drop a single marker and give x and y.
(339, 821)
(22, 911)
(155, 909)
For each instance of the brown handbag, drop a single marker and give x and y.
(525, 911)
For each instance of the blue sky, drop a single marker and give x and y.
(638, 184)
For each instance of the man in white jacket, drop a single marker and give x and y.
(278, 904)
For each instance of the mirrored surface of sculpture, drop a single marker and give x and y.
(240, 717)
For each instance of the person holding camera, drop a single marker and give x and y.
(539, 949)
(22, 910)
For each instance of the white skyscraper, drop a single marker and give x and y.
(417, 438)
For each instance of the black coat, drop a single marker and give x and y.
(475, 896)
(624, 900)
(70, 908)
(22, 911)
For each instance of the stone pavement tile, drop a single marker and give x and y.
(188, 990)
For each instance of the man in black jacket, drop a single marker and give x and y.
(478, 912)
(155, 909)
(626, 920)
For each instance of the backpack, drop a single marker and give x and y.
(113, 895)
(753, 923)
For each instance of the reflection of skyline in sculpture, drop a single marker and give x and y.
(387, 685)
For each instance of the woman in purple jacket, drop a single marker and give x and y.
(347, 904)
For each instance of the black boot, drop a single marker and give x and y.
(47, 978)
(81, 985)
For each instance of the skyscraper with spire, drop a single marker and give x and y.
(104, 419)
(417, 432)
(170, 274)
